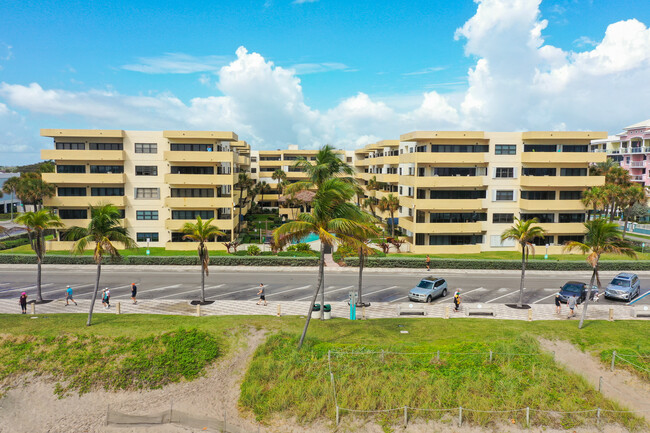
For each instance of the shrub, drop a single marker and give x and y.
(303, 247)
(234, 260)
(253, 250)
(292, 248)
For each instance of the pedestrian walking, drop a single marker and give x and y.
(108, 298)
(572, 302)
(104, 298)
(428, 263)
(262, 294)
(134, 292)
(68, 296)
(558, 304)
(23, 302)
(457, 300)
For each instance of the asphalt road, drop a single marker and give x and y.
(488, 287)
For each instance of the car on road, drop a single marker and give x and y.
(427, 289)
(624, 286)
(578, 289)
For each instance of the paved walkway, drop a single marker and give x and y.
(339, 309)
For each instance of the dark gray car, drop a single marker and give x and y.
(577, 289)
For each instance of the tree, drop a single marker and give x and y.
(390, 203)
(327, 163)
(601, 168)
(618, 176)
(281, 177)
(601, 237)
(334, 220)
(32, 189)
(36, 224)
(595, 199)
(104, 231)
(632, 195)
(10, 187)
(244, 182)
(202, 232)
(369, 203)
(523, 232)
(366, 230)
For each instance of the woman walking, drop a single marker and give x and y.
(23, 302)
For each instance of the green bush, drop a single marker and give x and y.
(303, 247)
(233, 260)
(14, 241)
(409, 262)
(253, 250)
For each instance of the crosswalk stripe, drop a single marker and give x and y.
(502, 296)
(327, 290)
(283, 291)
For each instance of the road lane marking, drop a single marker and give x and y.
(377, 291)
(638, 298)
(461, 294)
(398, 299)
(546, 297)
(196, 289)
(283, 291)
(327, 291)
(503, 296)
(236, 291)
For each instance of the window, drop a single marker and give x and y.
(146, 148)
(192, 192)
(538, 195)
(70, 168)
(107, 169)
(192, 214)
(146, 215)
(573, 172)
(73, 214)
(504, 172)
(504, 196)
(253, 158)
(548, 240)
(570, 195)
(254, 170)
(455, 239)
(457, 217)
(538, 171)
(147, 193)
(146, 170)
(574, 148)
(503, 218)
(569, 238)
(457, 148)
(70, 146)
(540, 148)
(106, 146)
(495, 241)
(70, 192)
(103, 191)
(178, 237)
(541, 217)
(142, 237)
(571, 218)
(191, 147)
(419, 239)
(505, 149)
(192, 170)
(437, 194)
(454, 171)
(270, 158)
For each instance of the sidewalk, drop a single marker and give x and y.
(378, 310)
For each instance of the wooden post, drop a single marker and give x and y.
(363, 312)
(490, 356)
(611, 368)
(406, 420)
(337, 415)
(460, 416)
(527, 417)
(198, 310)
(33, 307)
(438, 356)
(119, 308)
(446, 312)
(611, 314)
(279, 310)
(530, 315)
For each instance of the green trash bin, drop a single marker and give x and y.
(327, 311)
(315, 311)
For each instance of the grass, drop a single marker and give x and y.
(281, 381)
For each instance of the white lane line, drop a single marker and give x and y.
(235, 291)
(283, 291)
(546, 297)
(378, 291)
(158, 288)
(18, 289)
(638, 298)
(398, 299)
(503, 296)
(196, 289)
(327, 291)
(451, 298)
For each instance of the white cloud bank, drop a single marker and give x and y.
(518, 82)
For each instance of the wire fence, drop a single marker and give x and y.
(636, 365)
(524, 413)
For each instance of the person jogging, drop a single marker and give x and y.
(134, 292)
(457, 300)
(68, 296)
(262, 294)
(23, 302)
(106, 298)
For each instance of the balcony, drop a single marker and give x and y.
(200, 179)
(446, 228)
(637, 178)
(82, 155)
(84, 178)
(186, 156)
(561, 181)
(637, 164)
(563, 228)
(560, 158)
(551, 205)
(199, 202)
(444, 205)
(73, 201)
(443, 181)
(457, 158)
(177, 225)
(75, 222)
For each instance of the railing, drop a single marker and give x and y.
(637, 164)
(637, 178)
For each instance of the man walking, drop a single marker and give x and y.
(262, 294)
(68, 296)
(457, 300)
(134, 292)
(571, 302)
(428, 261)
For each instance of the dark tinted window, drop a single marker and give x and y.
(70, 168)
(106, 146)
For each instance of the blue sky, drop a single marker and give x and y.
(342, 72)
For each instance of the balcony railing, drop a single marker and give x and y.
(637, 178)
(637, 164)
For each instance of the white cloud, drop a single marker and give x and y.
(299, 2)
(425, 71)
(583, 41)
(316, 68)
(177, 63)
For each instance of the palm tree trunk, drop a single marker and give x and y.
(392, 224)
(322, 286)
(321, 274)
(360, 292)
(523, 273)
(627, 217)
(92, 301)
(39, 295)
(584, 309)
(202, 284)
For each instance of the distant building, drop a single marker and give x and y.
(8, 200)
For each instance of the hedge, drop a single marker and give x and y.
(164, 260)
(407, 262)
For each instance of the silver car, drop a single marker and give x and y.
(624, 286)
(427, 289)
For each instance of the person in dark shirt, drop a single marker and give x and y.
(558, 303)
(23, 302)
(134, 292)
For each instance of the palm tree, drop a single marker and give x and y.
(328, 163)
(369, 203)
(390, 203)
(632, 195)
(617, 176)
(613, 194)
(365, 232)
(601, 168)
(104, 231)
(334, 220)
(36, 224)
(10, 187)
(32, 189)
(244, 182)
(523, 232)
(601, 237)
(202, 232)
(593, 199)
(281, 177)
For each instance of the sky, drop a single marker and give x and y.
(314, 72)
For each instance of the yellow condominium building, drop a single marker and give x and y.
(158, 179)
(459, 191)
